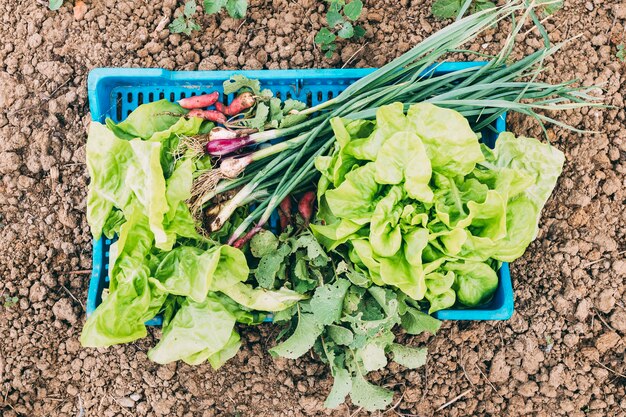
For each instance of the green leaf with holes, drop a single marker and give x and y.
(190, 8)
(359, 31)
(334, 19)
(353, 9)
(346, 31)
(325, 37)
(55, 4)
(213, 6)
(237, 8)
(446, 9)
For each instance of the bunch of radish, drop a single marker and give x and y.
(198, 104)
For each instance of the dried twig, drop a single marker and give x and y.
(353, 55)
(488, 381)
(356, 412)
(614, 372)
(602, 320)
(455, 399)
(80, 272)
(604, 258)
(465, 373)
(393, 408)
(74, 298)
(81, 409)
(44, 99)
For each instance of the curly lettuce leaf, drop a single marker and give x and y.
(450, 143)
(474, 283)
(385, 234)
(133, 298)
(108, 160)
(354, 198)
(402, 158)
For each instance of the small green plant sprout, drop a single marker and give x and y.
(340, 17)
(621, 52)
(448, 9)
(235, 8)
(55, 4)
(8, 301)
(184, 23)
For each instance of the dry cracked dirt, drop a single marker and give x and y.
(562, 353)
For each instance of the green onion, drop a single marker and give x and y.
(482, 92)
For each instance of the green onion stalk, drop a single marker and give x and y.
(482, 93)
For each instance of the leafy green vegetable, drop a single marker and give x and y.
(184, 23)
(269, 111)
(416, 322)
(327, 303)
(447, 9)
(475, 282)
(369, 396)
(133, 298)
(621, 52)
(339, 17)
(197, 332)
(262, 299)
(422, 206)
(302, 339)
(235, 8)
(407, 356)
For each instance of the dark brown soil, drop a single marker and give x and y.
(562, 353)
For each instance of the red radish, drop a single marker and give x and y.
(242, 102)
(198, 102)
(211, 115)
(305, 206)
(284, 212)
(239, 243)
(220, 107)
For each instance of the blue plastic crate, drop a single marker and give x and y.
(115, 92)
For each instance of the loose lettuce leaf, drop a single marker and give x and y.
(108, 159)
(439, 292)
(544, 164)
(262, 299)
(332, 235)
(475, 282)
(188, 271)
(197, 332)
(145, 178)
(354, 198)
(147, 119)
(398, 272)
(133, 298)
(390, 119)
